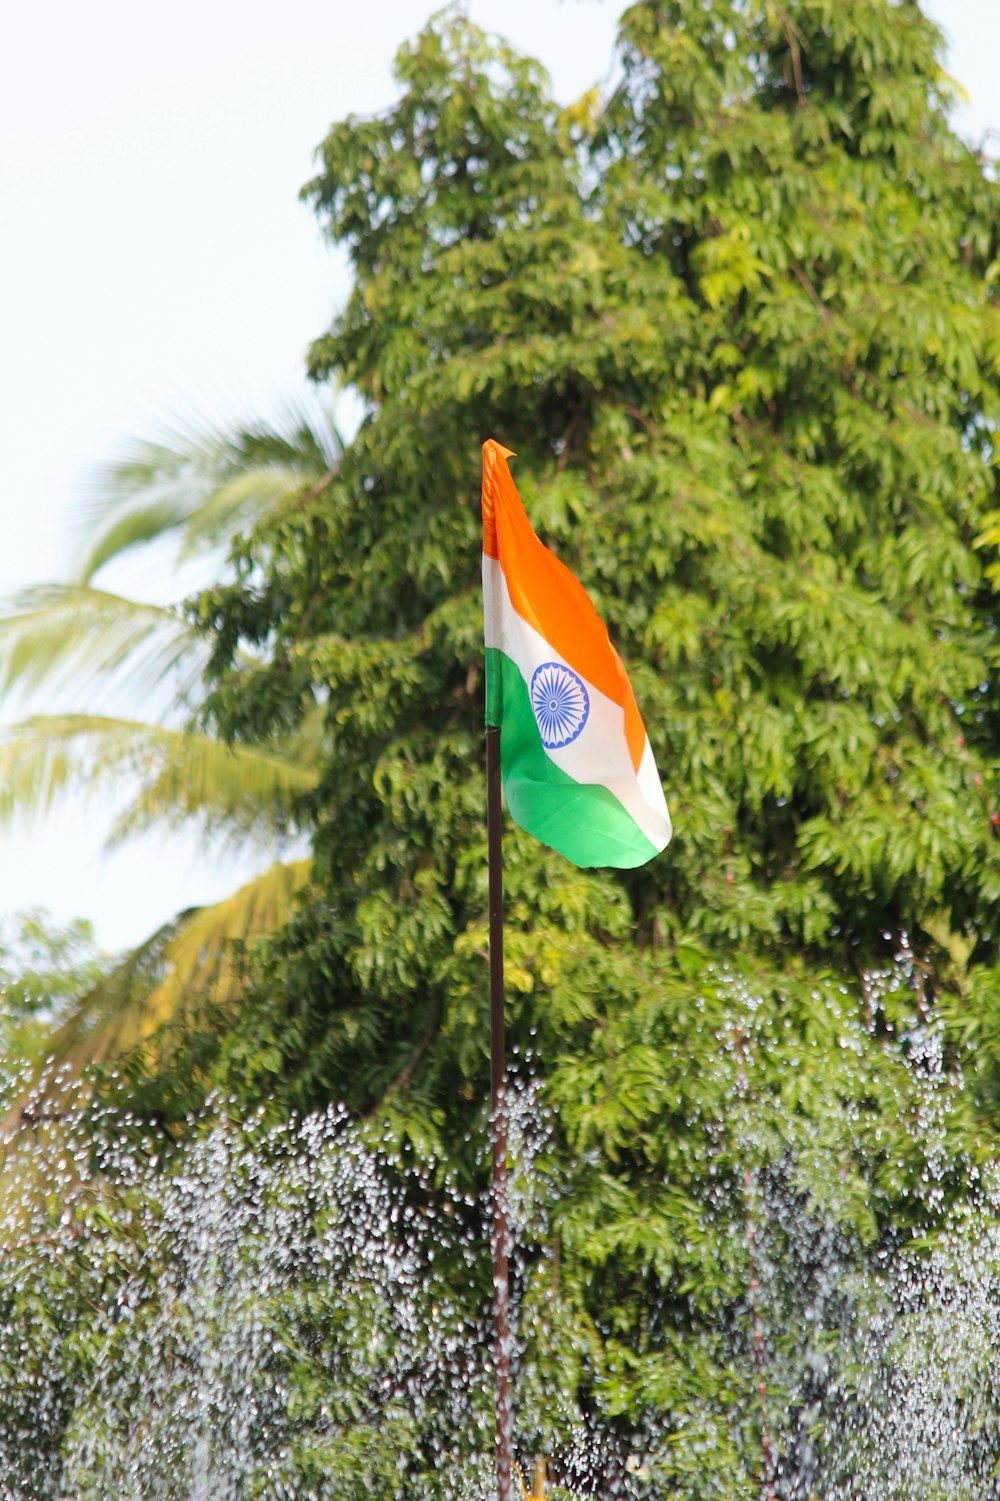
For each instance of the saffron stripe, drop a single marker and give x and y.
(549, 597)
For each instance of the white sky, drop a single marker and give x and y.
(155, 263)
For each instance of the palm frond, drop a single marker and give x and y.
(204, 483)
(241, 791)
(61, 634)
(205, 957)
(115, 1010)
(84, 1037)
(245, 790)
(238, 504)
(194, 961)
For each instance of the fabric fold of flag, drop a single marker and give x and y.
(577, 769)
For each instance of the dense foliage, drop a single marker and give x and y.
(738, 319)
(740, 326)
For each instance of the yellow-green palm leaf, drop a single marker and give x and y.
(202, 484)
(241, 791)
(194, 961)
(61, 635)
(198, 486)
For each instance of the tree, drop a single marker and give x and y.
(739, 321)
(195, 486)
(42, 969)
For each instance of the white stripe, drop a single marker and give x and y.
(600, 753)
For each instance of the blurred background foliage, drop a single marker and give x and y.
(738, 316)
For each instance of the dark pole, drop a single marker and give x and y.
(501, 1279)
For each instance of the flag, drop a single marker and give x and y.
(576, 764)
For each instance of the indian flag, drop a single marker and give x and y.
(575, 759)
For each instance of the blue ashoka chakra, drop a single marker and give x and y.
(561, 703)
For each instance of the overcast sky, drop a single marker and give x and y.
(157, 264)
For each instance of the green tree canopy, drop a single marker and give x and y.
(739, 321)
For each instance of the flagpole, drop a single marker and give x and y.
(498, 1117)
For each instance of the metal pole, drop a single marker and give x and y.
(501, 1279)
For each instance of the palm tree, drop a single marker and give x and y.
(199, 487)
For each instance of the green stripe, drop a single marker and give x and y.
(494, 687)
(582, 820)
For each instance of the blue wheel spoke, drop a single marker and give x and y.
(561, 703)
